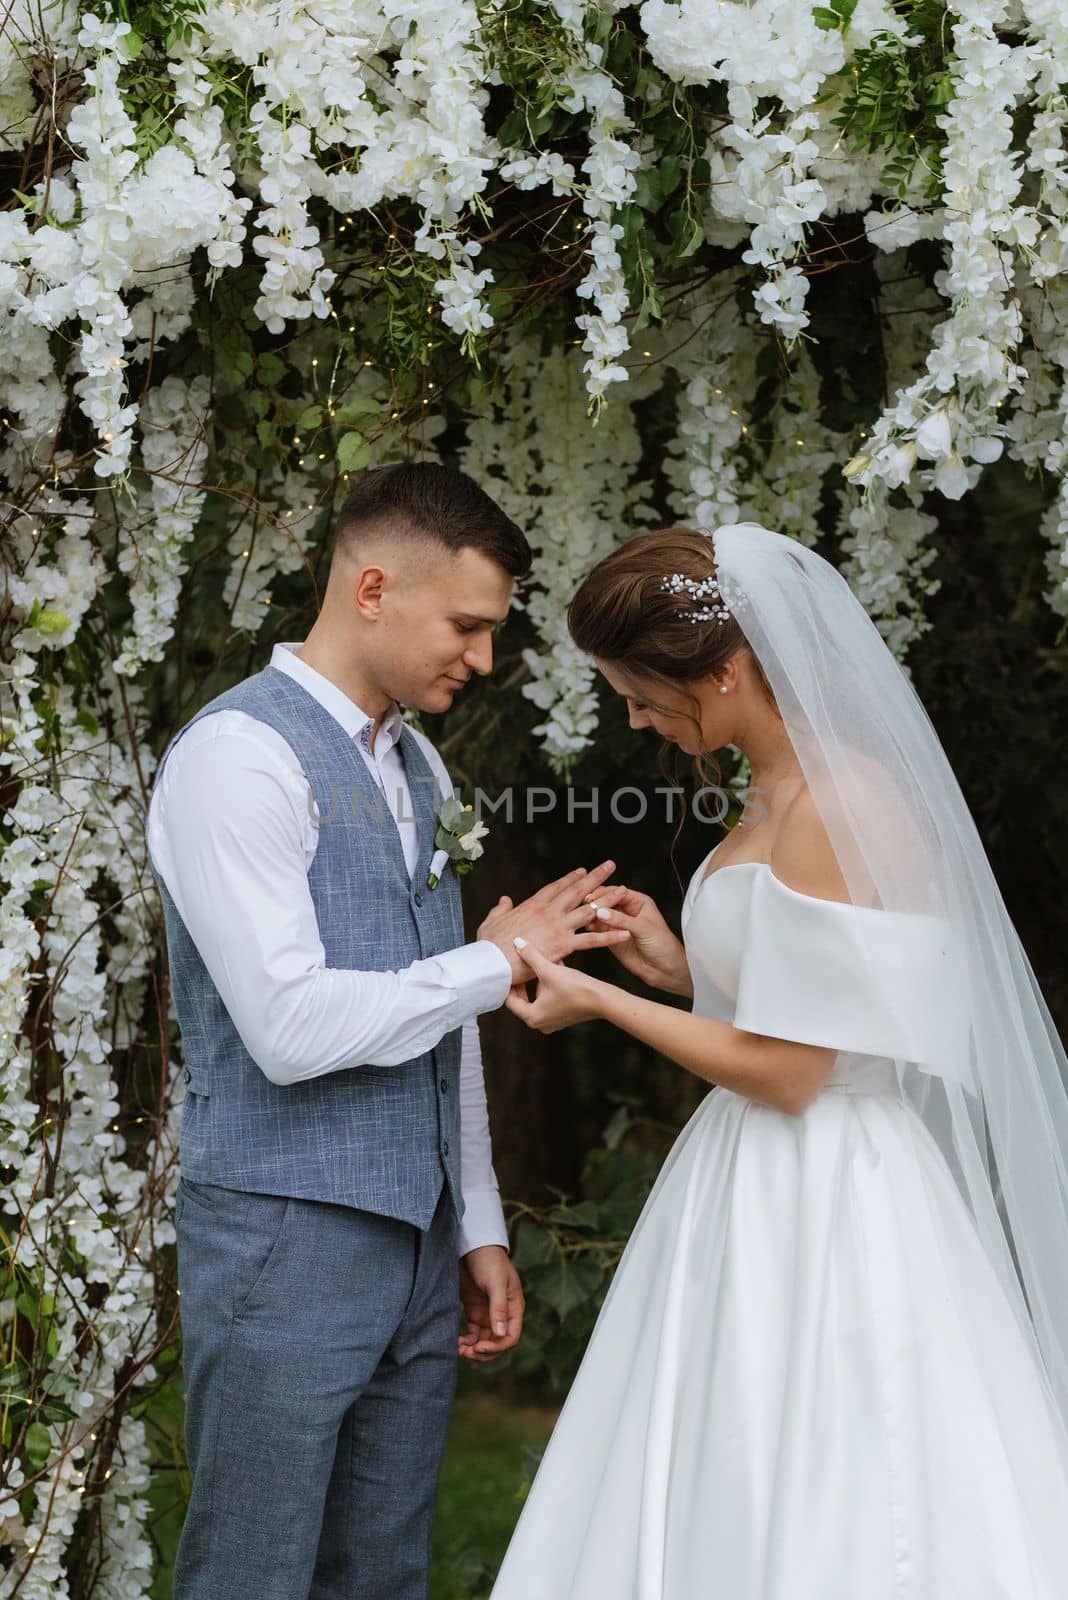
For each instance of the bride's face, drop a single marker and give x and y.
(672, 713)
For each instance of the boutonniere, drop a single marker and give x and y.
(458, 839)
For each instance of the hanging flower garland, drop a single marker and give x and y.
(573, 489)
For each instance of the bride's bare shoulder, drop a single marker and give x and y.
(802, 856)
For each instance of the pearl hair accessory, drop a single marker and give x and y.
(701, 589)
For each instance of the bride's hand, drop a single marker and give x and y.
(652, 952)
(564, 994)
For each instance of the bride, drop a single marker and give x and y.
(832, 1362)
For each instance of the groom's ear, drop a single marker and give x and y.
(367, 587)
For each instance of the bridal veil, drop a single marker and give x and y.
(991, 1088)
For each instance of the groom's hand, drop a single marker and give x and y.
(492, 1298)
(554, 919)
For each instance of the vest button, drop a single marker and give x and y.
(418, 898)
(444, 1085)
(445, 1148)
(187, 1075)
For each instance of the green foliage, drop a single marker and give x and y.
(154, 22)
(835, 17)
(898, 93)
(567, 1253)
(32, 1393)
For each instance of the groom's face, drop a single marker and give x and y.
(439, 615)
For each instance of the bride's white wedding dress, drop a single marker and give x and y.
(806, 1382)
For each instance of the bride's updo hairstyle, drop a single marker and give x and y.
(621, 612)
(622, 615)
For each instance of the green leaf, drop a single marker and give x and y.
(584, 1215)
(57, 1411)
(513, 129)
(568, 1283)
(653, 185)
(353, 452)
(352, 410)
(647, 190)
(271, 369)
(450, 811)
(687, 234)
(826, 19)
(311, 417)
(532, 1246)
(540, 124)
(38, 1444)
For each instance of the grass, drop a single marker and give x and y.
(490, 1455)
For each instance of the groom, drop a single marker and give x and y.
(335, 1151)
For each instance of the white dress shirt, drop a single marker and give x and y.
(238, 874)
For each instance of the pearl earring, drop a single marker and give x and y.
(723, 688)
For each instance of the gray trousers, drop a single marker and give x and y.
(320, 1364)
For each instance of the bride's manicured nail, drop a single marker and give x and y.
(603, 914)
(519, 943)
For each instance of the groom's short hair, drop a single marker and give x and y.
(426, 500)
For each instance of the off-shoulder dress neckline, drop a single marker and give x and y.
(703, 877)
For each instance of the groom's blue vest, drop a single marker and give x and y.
(377, 1138)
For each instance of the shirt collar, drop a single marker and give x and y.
(356, 722)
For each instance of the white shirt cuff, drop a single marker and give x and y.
(483, 1221)
(481, 975)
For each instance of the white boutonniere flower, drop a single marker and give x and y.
(458, 839)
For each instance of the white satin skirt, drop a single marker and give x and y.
(805, 1383)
